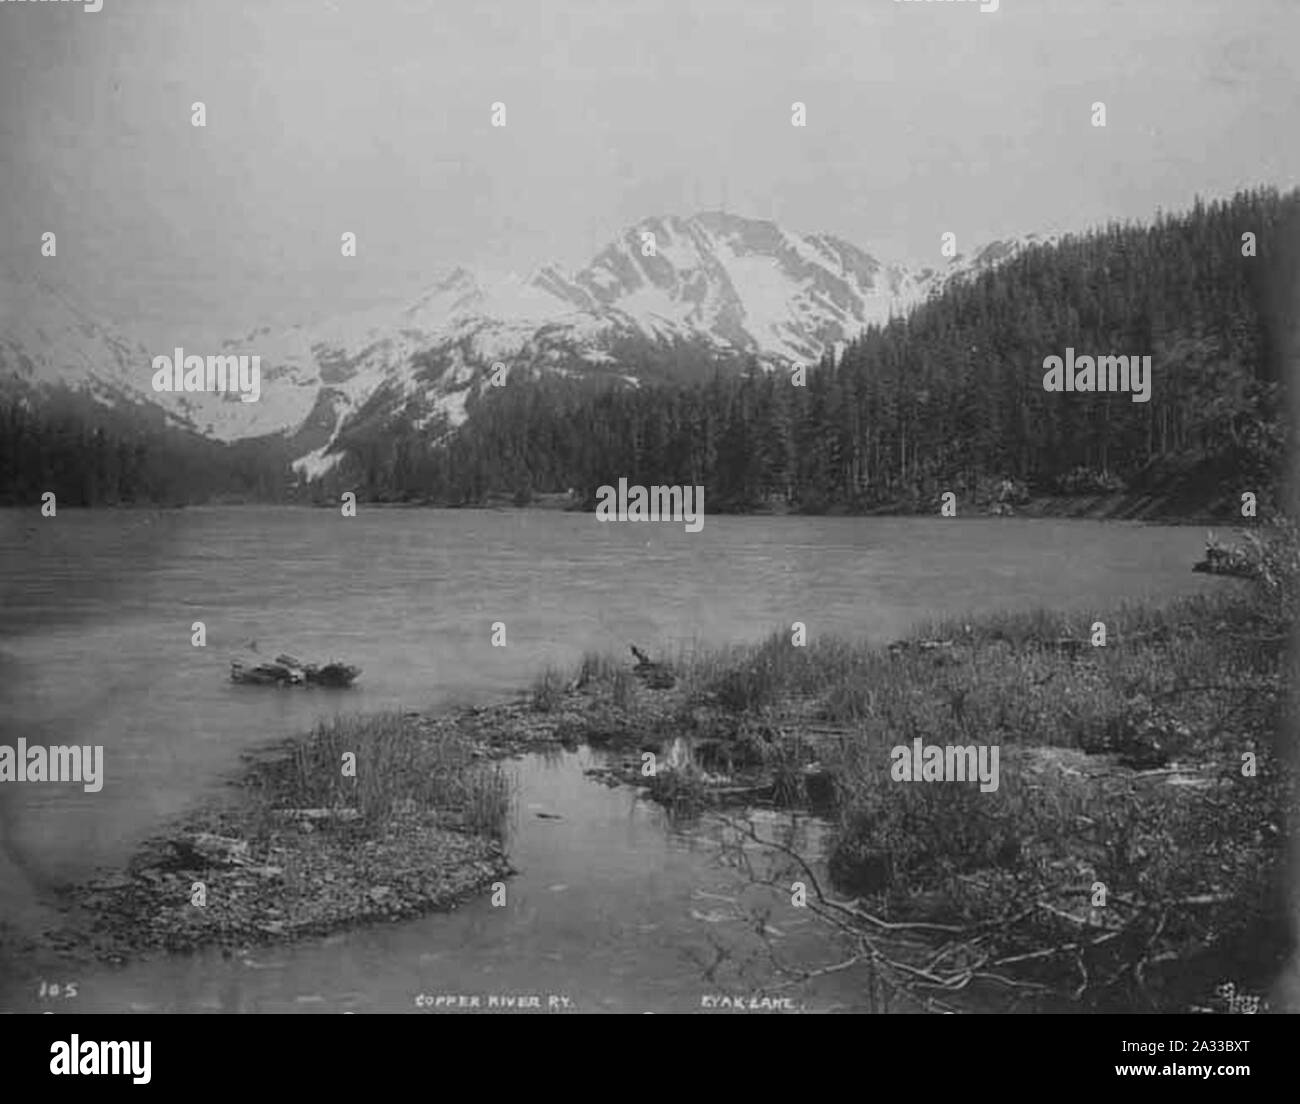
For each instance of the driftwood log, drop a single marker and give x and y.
(941, 649)
(899, 646)
(1221, 566)
(1225, 560)
(656, 676)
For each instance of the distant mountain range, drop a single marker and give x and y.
(715, 287)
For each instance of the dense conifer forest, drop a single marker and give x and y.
(89, 456)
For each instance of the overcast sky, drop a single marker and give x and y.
(373, 116)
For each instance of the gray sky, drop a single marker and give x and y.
(374, 116)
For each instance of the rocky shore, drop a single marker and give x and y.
(257, 867)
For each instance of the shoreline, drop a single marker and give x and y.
(1132, 508)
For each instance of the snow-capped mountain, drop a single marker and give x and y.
(747, 284)
(48, 341)
(715, 284)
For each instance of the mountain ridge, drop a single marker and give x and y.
(717, 283)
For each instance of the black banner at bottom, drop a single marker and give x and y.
(332, 1053)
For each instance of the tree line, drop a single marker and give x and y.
(89, 456)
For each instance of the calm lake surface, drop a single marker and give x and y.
(95, 648)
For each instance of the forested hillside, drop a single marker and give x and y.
(89, 456)
(949, 398)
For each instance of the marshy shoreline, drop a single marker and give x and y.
(1124, 767)
(1133, 857)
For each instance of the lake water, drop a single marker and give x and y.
(95, 648)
